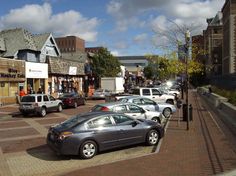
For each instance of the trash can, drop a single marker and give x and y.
(185, 115)
(185, 112)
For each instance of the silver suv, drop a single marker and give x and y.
(39, 104)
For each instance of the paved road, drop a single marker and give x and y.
(23, 150)
(206, 149)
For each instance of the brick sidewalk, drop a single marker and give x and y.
(203, 150)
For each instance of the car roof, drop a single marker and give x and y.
(113, 103)
(90, 115)
(34, 94)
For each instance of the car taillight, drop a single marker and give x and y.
(105, 109)
(65, 134)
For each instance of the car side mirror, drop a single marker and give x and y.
(134, 123)
(143, 111)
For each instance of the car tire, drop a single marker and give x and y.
(167, 112)
(59, 108)
(152, 137)
(75, 104)
(88, 149)
(156, 119)
(43, 112)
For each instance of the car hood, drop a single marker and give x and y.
(152, 113)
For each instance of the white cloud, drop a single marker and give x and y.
(115, 53)
(121, 45)
(141, 38)
(180, 11)
(41, 19)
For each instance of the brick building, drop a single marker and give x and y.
(229, 37)
(213, 37)
(70, 44)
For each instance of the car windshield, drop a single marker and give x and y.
(97, 108)
(28, 99)
(74, 120)
(123, 100)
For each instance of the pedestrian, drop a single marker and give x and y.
(22, 92)
(40, 91)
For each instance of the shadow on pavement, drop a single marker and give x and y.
(43, 152)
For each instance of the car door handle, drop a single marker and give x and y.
(122, 131)
(134, 115)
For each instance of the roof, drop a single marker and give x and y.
(17, 39)
(40, 40)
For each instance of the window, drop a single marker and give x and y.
(148, 102)
(137, 101)
(100, 122)
(52, 98)
(45, 98)
(39, 98)
(134, 109)
(146, 92)
(155, 92)
(121, 119)
(121, 108)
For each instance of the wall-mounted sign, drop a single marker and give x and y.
(72, 70)
(36, 70)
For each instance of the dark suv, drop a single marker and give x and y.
(39, 104)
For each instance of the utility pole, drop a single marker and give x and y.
(187, 40)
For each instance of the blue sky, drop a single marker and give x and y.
(125, 27)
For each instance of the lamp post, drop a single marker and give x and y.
(187, 40)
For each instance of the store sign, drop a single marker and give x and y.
(36, 70)
(12, 73)
(72, 70)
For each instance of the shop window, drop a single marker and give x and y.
(13, 88)
(4, 89)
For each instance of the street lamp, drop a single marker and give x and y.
(187, 40)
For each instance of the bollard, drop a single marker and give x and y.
(190, 112)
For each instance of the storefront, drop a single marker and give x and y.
(12, 78)
(36, 77)
(65, 76)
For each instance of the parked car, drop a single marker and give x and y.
(101, 93)
(151, 93)
(39, 104)
(90, 133)
(130, 109)
(72, 99)
(165, 108)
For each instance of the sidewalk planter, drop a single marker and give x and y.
(220, 104)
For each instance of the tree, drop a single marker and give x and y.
(169, 64)
(104, 64)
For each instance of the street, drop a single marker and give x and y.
(207, 148)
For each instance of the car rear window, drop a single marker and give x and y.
(28, 99)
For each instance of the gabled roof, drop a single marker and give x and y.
(17, 39)
(40, 40)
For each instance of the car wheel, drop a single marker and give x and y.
(59, 108)
(75, 104)
(88, 149)
(167, 112)
(156, 119)
(43, 112)
(152, 137)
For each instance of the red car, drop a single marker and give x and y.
(72, 100)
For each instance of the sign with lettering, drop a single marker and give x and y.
(36, 70)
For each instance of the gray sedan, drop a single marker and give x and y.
(89, 133)
(146, 103)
